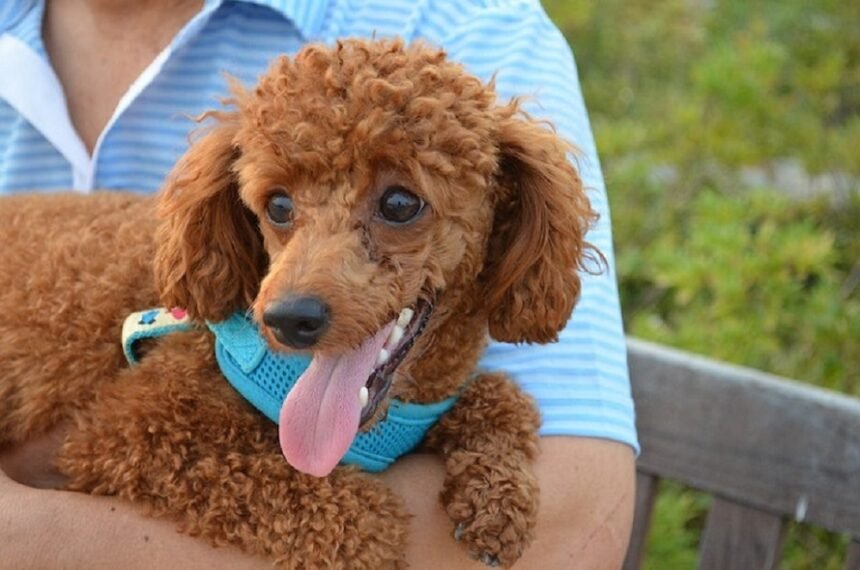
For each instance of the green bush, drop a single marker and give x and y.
(719, 123)
(754, 279)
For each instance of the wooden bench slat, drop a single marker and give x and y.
(853, 560)
(646, 493)
(763, 441)
(740, 538)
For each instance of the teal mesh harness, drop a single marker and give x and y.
(264, 377)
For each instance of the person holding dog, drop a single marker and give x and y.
(96, 94)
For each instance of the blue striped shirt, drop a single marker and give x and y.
(581, 383)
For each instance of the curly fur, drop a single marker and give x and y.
(497, 249)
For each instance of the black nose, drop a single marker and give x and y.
(298, 322)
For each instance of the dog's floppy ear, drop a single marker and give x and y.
(210, 257)
(538, 240)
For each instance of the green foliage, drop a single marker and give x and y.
(678, 521)
(699, 109)
(731, 82)
(754, 279)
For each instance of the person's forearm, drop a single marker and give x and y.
(587, 498)
(587, 487)
(57, 529)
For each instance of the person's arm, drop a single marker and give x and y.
(586, 482)
(583, 524)
(586, 479)
(56, 529)
(586, 509)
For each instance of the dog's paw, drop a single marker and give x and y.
(490, 560)
(493, 504)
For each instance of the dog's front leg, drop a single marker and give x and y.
(489, 441)
(181, 443)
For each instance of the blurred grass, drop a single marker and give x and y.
(729, 132)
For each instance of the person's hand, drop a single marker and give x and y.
(26, 527)
(32, 463)
(28, 515)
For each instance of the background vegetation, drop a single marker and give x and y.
(730, 138)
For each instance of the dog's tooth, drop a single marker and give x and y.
(395, 336)
(363, 396)
(383, 357)
(405, 316)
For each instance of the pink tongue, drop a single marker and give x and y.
(319, 418)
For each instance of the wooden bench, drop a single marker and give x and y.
(767, 449)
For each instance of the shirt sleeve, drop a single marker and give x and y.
(581, 383)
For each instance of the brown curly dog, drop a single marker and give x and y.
(352, 183)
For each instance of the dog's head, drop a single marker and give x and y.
(354, 200)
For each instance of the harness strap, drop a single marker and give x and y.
(263, 377)
(152, 323)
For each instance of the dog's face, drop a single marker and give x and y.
(356, 197)
(372, 182)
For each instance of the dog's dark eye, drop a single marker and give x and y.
(279, 209)
(399, 205)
